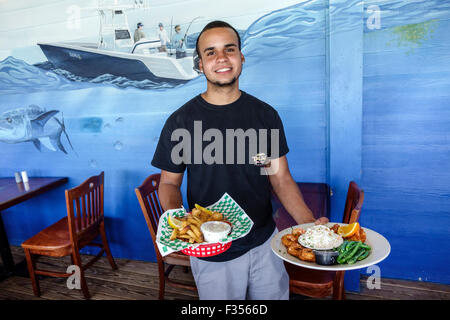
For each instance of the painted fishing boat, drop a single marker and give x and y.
(116, 54)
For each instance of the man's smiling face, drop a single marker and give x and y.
(220, 57)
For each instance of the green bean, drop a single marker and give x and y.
(358, 254)
(364, 255)
(340, 259)
(365, 246)
(342, 247)
(352, 253)
(345, 248)
(350, 246)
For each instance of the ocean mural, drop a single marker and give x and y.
(75, 119)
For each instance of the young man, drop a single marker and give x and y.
(249, 269)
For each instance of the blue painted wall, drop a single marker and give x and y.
(405, 145)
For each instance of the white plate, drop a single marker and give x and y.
(380, 250)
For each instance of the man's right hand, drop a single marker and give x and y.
(169, 190)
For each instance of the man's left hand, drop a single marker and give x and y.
(321, 220)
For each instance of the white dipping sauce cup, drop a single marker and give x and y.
(214, 231)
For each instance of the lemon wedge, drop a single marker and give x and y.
(348, 230)
(174, 222)
(199, 207)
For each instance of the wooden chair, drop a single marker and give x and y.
(152, 210)
(317, 283)
(83, 224)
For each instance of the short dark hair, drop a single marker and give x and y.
(213, 25)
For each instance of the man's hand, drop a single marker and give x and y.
(169, 190)
(322, 220)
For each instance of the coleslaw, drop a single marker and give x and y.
(320, 237)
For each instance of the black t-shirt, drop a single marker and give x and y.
(215, 143)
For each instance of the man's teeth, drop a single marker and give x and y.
(223, 70)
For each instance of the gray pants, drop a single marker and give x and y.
(257, 275)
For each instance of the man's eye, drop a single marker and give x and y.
(209, 53)
(230, 49)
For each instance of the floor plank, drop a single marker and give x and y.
(138, 280)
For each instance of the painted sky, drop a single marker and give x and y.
(24, 23)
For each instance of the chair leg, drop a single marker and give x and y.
(338, 286)
(106, 246)
(77, 261)
(31, 267)
(162, 280)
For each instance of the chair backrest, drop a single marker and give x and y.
(147, 194)
(85, 208)
(353, 204)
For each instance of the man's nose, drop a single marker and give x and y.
(221, 56)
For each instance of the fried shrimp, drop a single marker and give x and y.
(285, 240)
(294, 252)
(307, 255)
(298, 231)
(290, 241)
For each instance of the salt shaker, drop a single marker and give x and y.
(18, 177)
(24, 176)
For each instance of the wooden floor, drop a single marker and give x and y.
(138, 280)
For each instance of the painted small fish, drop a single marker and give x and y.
(33, 124)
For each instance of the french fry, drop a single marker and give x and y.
(196, 212)
(198, 220)
(185, 230)
(194, 236)
(193, 221)
(197, 231)
(174, 234)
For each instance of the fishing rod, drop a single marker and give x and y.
(170, 41)
(185, 35)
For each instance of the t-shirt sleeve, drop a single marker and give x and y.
(163, 157)
(278, 148)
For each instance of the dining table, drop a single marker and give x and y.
(11, 194)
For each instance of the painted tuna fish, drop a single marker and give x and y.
(33, 124)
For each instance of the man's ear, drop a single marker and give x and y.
(242, 58)
(200, 65)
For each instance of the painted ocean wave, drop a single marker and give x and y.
(108, 79)
(16, 76)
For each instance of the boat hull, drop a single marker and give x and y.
(90, 64)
